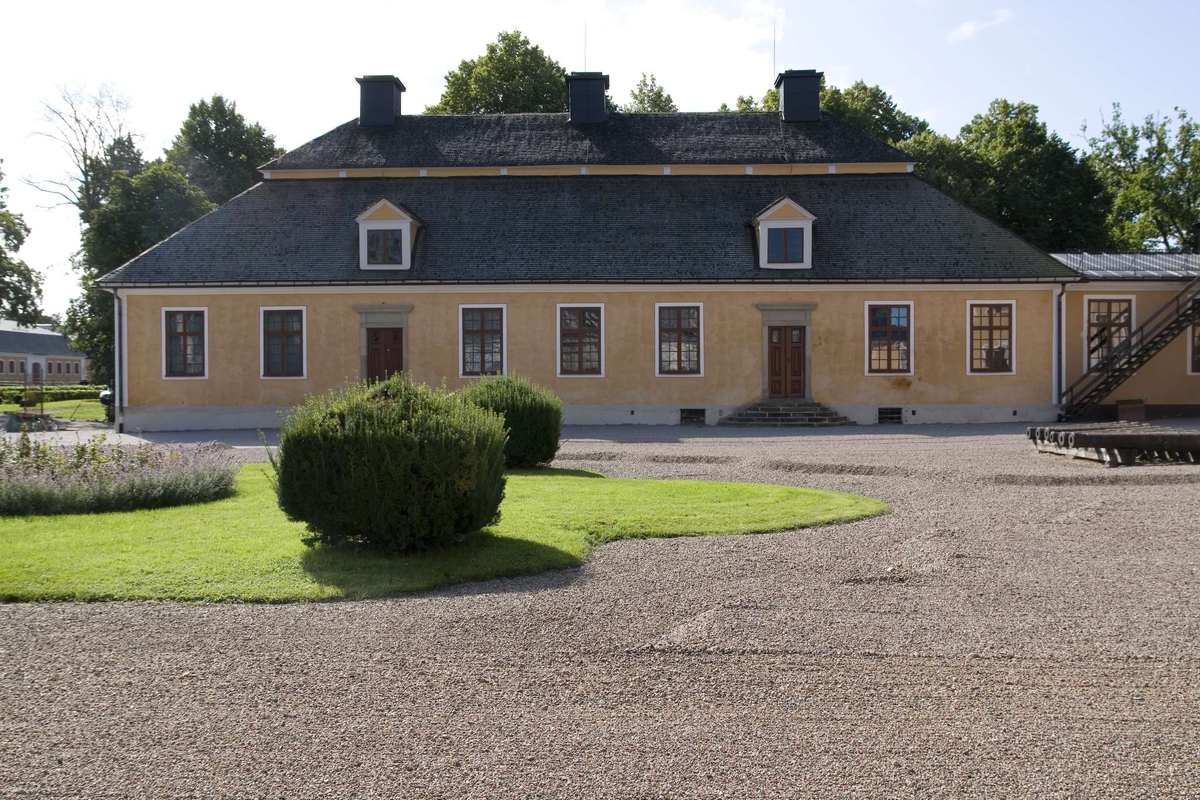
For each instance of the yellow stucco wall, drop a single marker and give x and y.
(1164, 379)
(733, 346)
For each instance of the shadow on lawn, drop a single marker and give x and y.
(482, 557)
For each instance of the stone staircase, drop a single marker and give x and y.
(785, 413)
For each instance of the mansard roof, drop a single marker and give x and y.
(510, 140)
(869, 228)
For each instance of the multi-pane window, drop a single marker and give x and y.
(679, 340)
(483, 341)
(579, 342)
(283, 343)
(991, 337)
(889, 343)
(1109, 322)
(76, 367)
(1196, 348)
(785, 245)
(21, 367)
(185, 344)
(385, 246)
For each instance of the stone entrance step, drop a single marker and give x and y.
(785, 413)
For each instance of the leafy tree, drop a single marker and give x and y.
(1026, 177)
(511, 77)
(89, 129)
(140, 211)
(119, 154)
(649, 96)
(218, 151)
(745, 102)
(873, 110)
(20, 286)
(1154, 177)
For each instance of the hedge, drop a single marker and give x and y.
(9, 394)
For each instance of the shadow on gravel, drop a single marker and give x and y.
(1106, 478)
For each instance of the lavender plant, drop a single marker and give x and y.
(96, 476)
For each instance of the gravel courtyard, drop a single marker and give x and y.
(1018, 625)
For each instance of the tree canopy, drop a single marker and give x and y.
(20, 286)
(649, 96)
(139, 211)
(873, 110)
(218, 151)
(511, 77)
(1153, 175)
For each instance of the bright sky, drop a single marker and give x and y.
(292, 68)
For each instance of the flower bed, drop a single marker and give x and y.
(36, 478)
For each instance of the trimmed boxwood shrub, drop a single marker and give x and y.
(532, 414)
(395, 467)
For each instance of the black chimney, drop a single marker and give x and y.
(378, 100)
(586, 90)
(799, 95)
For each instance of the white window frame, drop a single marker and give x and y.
(780, 224)
(558, 340)
(262, 343)
(1087, 302)
(163, 343)
(503, 336)
(1012, 304)
(405, 228)
(657, 344)
(912, 338)
(1190, 347)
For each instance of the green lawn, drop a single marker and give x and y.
(65, 409)
(244, 549)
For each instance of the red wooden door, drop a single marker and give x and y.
(385, 352)
(785, 361)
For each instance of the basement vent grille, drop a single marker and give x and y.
(691, 416)
(891, 416)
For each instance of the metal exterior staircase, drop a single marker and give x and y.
(1176, 316)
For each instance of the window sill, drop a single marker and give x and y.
(283, 377)
(679, 374)
(989, 374)
(383, 267)
(888, 374)
(185, 377)
(786, 265)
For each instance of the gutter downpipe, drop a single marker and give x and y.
(118, 363)
(1059, 322)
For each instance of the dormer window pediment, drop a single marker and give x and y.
(784, 231)
(385, 234)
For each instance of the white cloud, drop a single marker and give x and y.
(973, 27)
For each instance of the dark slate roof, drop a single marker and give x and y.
(1133, 266)
(579, 229)
(511, 140)
(35, 343)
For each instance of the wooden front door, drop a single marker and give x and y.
(785, 361)
(385, 352)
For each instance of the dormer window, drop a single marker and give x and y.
(785, 245)
(784, 236)
(385, 246)
(385, 237)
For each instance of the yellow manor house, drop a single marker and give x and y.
(649, 268)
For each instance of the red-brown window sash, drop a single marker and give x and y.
(672, 329)
(787, 233)
(385, 235)
(191, 329)
(893, 334)
(577, 337)
(286, 349)
(476, 327)
(991, 337)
